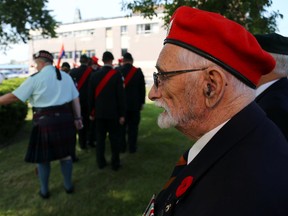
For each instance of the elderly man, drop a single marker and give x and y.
(207, 72)
(56, 114)
(272, 90)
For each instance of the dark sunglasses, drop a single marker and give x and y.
(171, 73)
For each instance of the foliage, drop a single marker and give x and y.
(19, 17)
(253, 15)
(11, 116)
(97, 192)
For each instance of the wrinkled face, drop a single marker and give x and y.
(177, 94)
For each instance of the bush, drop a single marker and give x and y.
(12, 116)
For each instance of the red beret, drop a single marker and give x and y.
(222, 41)
(95, 59)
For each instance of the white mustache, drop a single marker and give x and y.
(161, 105)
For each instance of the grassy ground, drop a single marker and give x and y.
(97, 192)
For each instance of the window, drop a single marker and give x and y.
(86, 32)
(147, 28)
(108, 32)
(109, 38)
(123, 30)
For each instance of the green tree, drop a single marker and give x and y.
(18, 17)
(252, 14)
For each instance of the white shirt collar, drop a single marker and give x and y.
(264, 86)
(199, 144)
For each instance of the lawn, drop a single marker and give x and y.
(97, 192)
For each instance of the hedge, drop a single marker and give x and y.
(12, 116)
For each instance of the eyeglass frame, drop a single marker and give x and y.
(172, 73)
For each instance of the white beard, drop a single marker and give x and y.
(165, 119)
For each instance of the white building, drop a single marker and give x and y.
(143, 38)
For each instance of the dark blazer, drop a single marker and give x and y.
(76, 74)
(135, 89)
(241, 171)
(274, 101)
(110, 103)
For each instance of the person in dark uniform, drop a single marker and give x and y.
(205, 82)
(81, 76)
(272, 91)
(56, 113)
(65, 67)
(135, 98)
(107, 109)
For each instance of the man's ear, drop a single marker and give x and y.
(214, 86)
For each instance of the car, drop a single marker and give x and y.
(23, 73)
(9, 74)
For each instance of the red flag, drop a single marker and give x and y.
(61, 54)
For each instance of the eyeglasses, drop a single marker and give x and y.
(171, 73)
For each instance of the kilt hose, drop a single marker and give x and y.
(53, 134)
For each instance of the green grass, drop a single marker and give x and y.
(97, 192)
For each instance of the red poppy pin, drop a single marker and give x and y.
(185, 184)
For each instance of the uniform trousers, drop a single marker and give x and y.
(83, 133)
(112, 128)
(130, 129)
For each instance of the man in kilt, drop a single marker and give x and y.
(56, 116)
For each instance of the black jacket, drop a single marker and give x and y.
(274, 101)
(241, 171)
(76, 74)
(135, 89)
(110, 103)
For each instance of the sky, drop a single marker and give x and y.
(64, 10)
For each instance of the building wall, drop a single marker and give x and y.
(92, 37)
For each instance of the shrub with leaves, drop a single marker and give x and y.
(12, 116)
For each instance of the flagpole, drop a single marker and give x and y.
(75, 50)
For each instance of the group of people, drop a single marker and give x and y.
(111, 100)
(87, 98)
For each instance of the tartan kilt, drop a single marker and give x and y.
(53, 135)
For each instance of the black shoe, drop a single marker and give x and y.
(102, 166)
(132, 151)
(44, 196)
(92, 144)
(116, 167)
(70, 191)
(74, 160)
(122, 150)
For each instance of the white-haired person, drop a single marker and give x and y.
(207, 72)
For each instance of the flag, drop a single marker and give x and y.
(61, 54)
